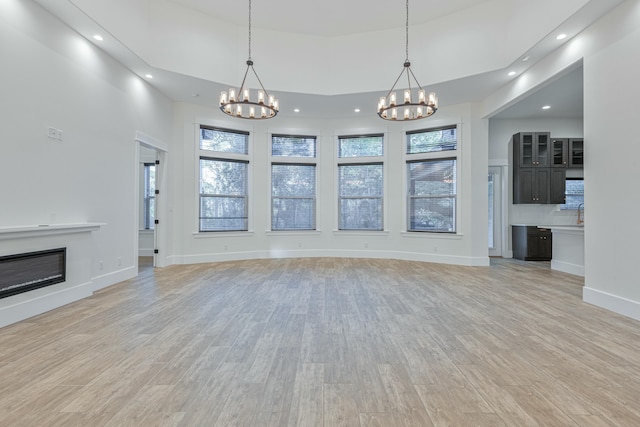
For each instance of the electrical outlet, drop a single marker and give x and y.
(101, 265)
(54, 133)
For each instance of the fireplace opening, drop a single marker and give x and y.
(25, 272)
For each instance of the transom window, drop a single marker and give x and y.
(360, 146)
(432, 140)
(224, 140)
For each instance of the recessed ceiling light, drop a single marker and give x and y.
(149, 76)
(296, 110)
(525, 59)
(561, 36)
(546, 107)
(511, 73)
(98, 37)
(357, 110)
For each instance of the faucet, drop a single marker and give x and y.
(580, 217)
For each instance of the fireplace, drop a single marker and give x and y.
(27, 271)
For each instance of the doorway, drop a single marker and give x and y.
(150, 161)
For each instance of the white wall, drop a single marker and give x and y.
(52, 77)
(612, 169)
(468, 247)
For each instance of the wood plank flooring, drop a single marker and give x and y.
(326, 342)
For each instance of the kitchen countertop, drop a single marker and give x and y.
(564, 227)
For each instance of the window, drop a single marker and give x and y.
(432, 180)
(293, 146)
(360, 146)
(293, 183)
(149, 196)
(223, 180)
(574, 194)
(360, 183)
(223, 140)
(432, 140)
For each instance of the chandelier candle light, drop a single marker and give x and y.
(409, 108)
(238, 103)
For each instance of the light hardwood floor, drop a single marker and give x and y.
(326, 342)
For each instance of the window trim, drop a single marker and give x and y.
(314, 198)
(200, 195)
(227, 130)
(338, 161)
(293, 160)
(381, 198)
(432, 156)
(201, 153)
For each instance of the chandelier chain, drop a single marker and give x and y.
(406, 29)
(250, 30)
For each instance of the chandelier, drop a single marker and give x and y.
(239, 103)
(410, 107)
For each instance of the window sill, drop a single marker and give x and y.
(347, 233)
(217, 234)
(293, 232)
(432, 235)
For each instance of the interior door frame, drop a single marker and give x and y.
(500, 199)
(161, 209)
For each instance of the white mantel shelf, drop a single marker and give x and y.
(27, 231)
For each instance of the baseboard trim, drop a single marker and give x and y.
(30, 307)
(615, 303)
(101, 282)
(320, 253)
(567, 267)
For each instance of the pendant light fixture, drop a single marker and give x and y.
(411, 106)
(239, 103)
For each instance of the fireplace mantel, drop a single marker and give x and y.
(47, 230)
(78, 240)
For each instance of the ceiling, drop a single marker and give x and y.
(328, 18)
(332, 20)
(563, 96)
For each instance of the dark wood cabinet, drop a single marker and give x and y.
(557, 186)
(540, 167)
(559, 152)
(531, 185)
(576, 153)
(531, 243)
(532, 149)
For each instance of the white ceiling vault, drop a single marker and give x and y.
(328, 57)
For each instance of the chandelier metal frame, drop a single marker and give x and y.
(239, 103)
(410, 109)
